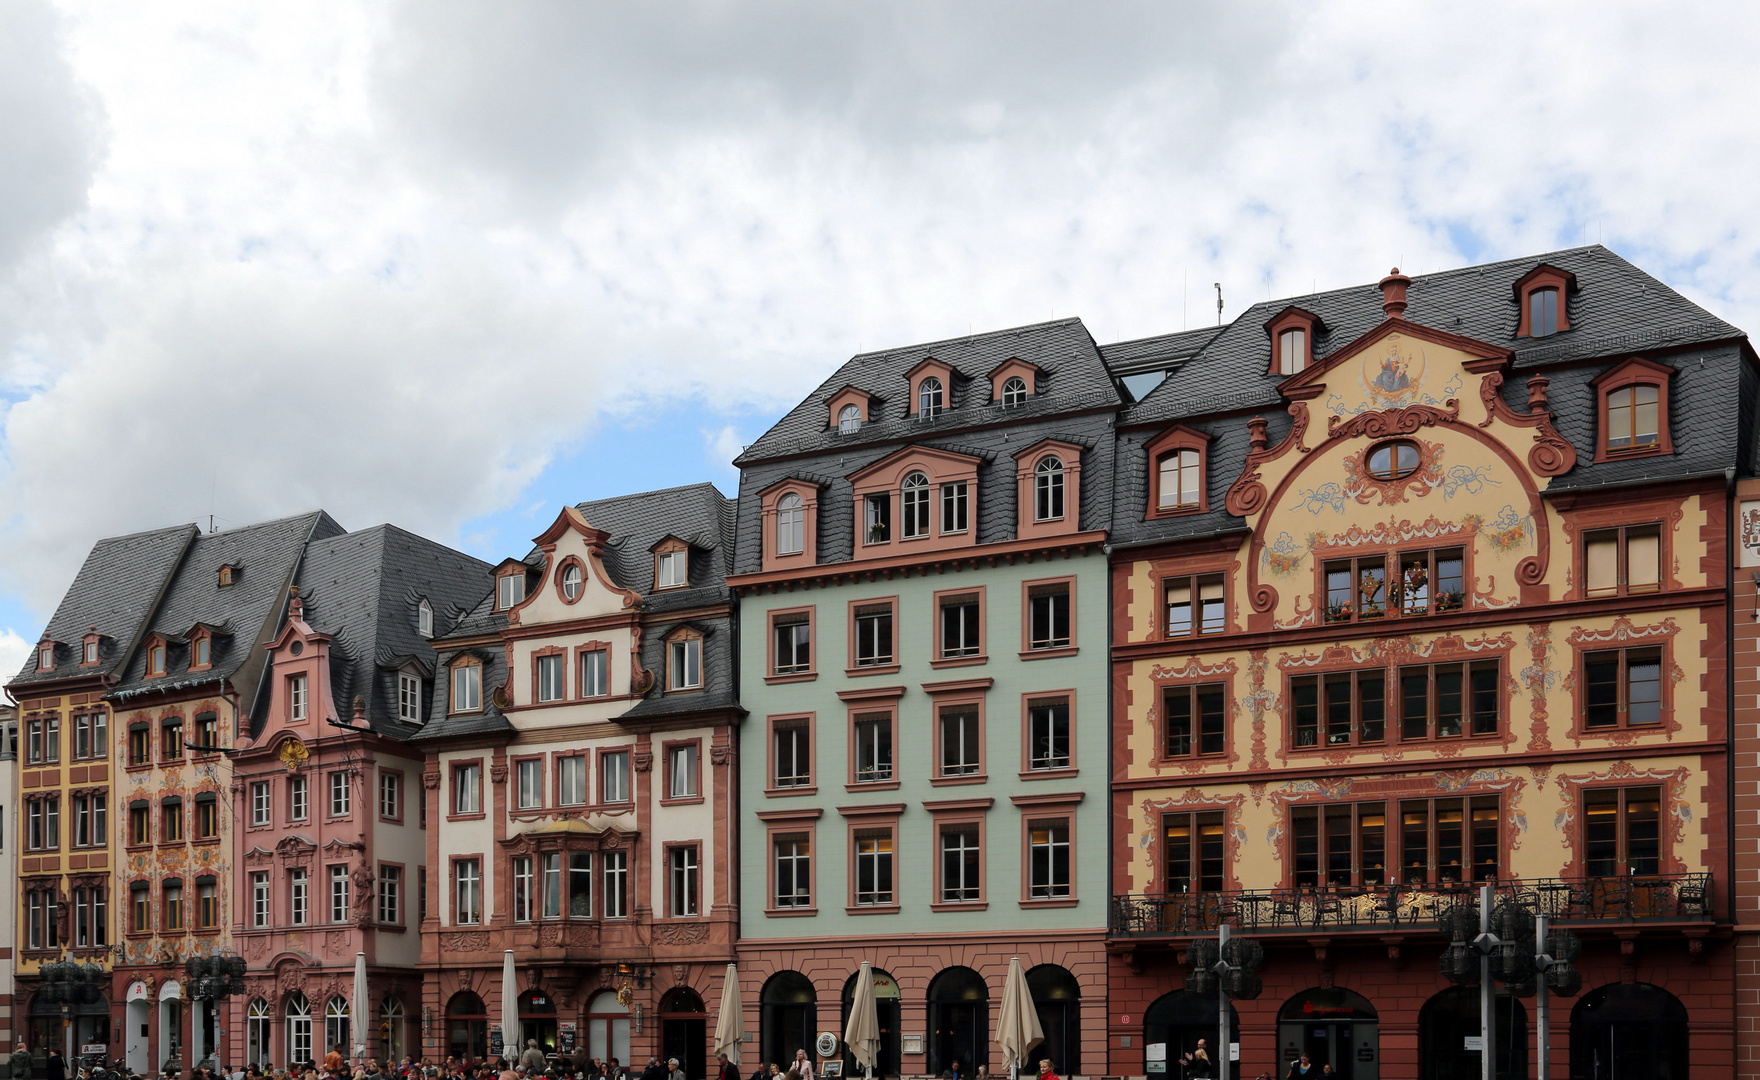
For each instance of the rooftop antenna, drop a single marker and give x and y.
(1184, 322)
(1218, 303)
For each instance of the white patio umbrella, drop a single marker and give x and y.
(862, 1033)
(730, 1024)
(510, 1040)
(1017, 1028)
(357, 1021)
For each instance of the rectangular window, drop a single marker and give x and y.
(550, 682)
(616, 883)
(961, 625)
(33, 741)
(571, 780)
(877, 517)
(207, 906)
(390, 795)
(207, 817)
(1339, 844)
(550, 883)
(874, 635)
(794, 754)
(296, 698)
(1622, 832)
(170, 821)
(953, 507)
(1633, 418)
(682, 868)
(1346, 709)
(1449, 840)
(614, 777)
(1430, 581)
(139, 824)
(338, 894)
(874, 868)
(793, 871)
(1444, 701)
(961, 865)
(962, 749)
(1356, 588)
(913, 503)
(1623, 561)
(339, 794)
(81, 913)
(1622, 688)
(1195, 605)
(207, 730)
(681, 771)
(792, 635)
(467, 876)
(260, 899)
(140, 908)
(523, 883)
(530, 782)
(171, 739)
(467, 687)
(52, 822)
(873, 747)
(467, 789)
(685, 669)
(82, 738)
(580, 885)
(1048, 874)
(1048, 616)
(595, 673)
(409, 698)
(1197, 720)
(297, 895)
(674, 569)
(1048, 734)
(173, 907)
(296, 798)
(1194, 852)
(82, 821)
(52, 740)
(510, 589)
(138, 740)
(391, 895)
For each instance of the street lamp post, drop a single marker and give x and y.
(1499, 952)
(1229, 966)
(69, 983)
(214, 979)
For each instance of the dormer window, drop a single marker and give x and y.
(425, 619)
(1633, 410)
(1542, 293)
(46, 658)
(929, 398)
(1048, 489)
(1543, 313)
(510, 589)
(571, 582)
(1292, 351)
(672, 569)
(200, 652)
(1014, 392)
(1631, 418)
(467, 684)
(684, 661)
(791, 521)
(878, 514)
(849, 420)
(89, 650)
(227, 575)
(156, 658)
(913, 500)
(1176, 463)
(1179, 480)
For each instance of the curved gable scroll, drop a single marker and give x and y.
(570, 539)
(1246, 496)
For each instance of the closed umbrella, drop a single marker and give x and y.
(510, 1040)
(358, 1007)
(862, 1033)
(1017, 1029)
(730, 1025)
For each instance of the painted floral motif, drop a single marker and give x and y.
(1509, 531)
(1282, 557)
(1468, 478)
(1324, 497)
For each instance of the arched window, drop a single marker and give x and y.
(791, 520)
(1180, 480)
(607, 1027)
(467, 1026)
(391, 1021)
(1393, 460)
(914, 505)
(959, 1020)
(571, 582)
(1629, 1029)
(1048, 489)
(1058, 999)
(257, 1019)
(887, 1011)
(849, 420)
(929, 398)
(1014, 391)
(425, 619)
(299, 1030)
(788, 1016)
(1175, 1022)
(1451, 1017)
(1633, 418)
(336, 1025)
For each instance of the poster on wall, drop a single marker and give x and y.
(495, 1043)
(565, 1037)
(1748, 533)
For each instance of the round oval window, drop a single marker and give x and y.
(1392, 460)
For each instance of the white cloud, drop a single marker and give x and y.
(14, 651)
(392, 261)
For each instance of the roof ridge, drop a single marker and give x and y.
(979, 336)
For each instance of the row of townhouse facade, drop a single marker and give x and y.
(1010, 646)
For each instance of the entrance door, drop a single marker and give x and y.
(1334, 1027)
(140, 1016)
(684, 1031)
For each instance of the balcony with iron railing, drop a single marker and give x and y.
(1410, 908)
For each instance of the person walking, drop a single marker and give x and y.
(533, 1058)
(21, 1063)
(56, 1069)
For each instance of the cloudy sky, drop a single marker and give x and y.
(450, 265)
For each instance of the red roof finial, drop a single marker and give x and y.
(1393, 294)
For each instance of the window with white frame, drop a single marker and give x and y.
(614, 777)
(467, 686)
(953, 507)
(409, 698)
(522, 888)
(571, 582)
(510, 589)
(550, 681)
(1014, 391)
(681, 771)
(550, 884)
(793, 871)
(595, 673)
(338, 894)
(1048, 859)
(260, 898)
(259, 802)
(425, 619)
(674, 569)
(467, 789)
(616, 865)
(571, 780)
(913, 503)
(467, 876)
(339, 794)
(1048, 489)
(390, 795)
(297, 896)
(682, 870)
(794, 754)
(391, 895)
(685, 669)
(529, 781)
(296, 698)
(791, 518)
(296, 798)
(849, 420)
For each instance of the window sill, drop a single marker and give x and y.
(1189, 759)
(391, 928)
(1159, 512)
(960, 661)
(1391, 744)
(478, 816)
(129, 847)
(205, 841)
(395, 820)
(872, 909)
(956, 781)
(205, 931)
(959, 905)
(784, 792)
(163, 844)
(874, 669)
(1049, 774)
(687, 800)
(1061, 901)
(133, 766)
(1610, 730)
(790, 913)
(1047, 654)
(791, 677)
(872, 785)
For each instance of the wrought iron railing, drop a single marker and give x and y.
(1410, 907)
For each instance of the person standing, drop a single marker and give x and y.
(21, 1063)
(57, 1065)
(728, 1070)
(803, 1065)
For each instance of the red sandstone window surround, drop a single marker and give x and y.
(1048, 728)
(1632, 410)
(960, 854)
(1048, 849)
(1013, 382)
(872, 842)
(789, 523)
(790, 760)
(931, 384)
(1178, 467)
(872, 635)
(791, 645)
(1542, 295)
(1292, 333)
(1048, 618)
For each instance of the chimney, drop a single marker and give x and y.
(1393, 294)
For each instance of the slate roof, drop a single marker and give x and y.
(483, 619)
(1072, 378)
(245, 613)
(363, 588)
(1615, 310)
(115, 590)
